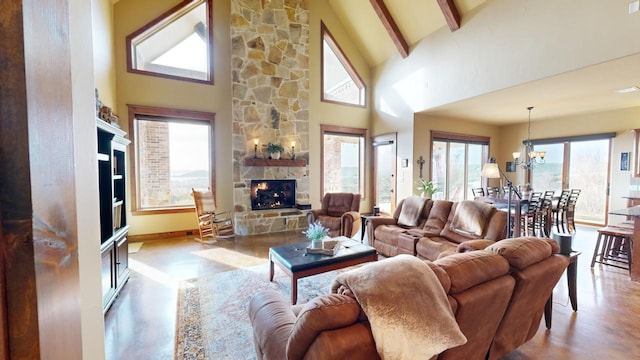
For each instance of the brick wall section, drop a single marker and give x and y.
(154, 151)
(270, 80)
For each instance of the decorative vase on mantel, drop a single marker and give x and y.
(275, 155)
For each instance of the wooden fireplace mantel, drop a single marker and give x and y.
(274, 162)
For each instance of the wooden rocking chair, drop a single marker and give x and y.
(212, 224)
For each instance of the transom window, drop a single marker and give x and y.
(340, 82)
(173, 152)
(177, 44)
(342, 159)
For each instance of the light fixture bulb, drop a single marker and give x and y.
(516, 155)
(256, 141)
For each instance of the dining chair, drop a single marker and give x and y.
(477, 192)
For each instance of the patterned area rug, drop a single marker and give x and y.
(212, 320)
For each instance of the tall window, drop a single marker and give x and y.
(178, 44)
(173, 152)
(580, 162)
(340, 81)
(343, 159)
(456, 163)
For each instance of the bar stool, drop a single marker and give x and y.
(613, 247)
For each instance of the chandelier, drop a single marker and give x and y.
(531, 157)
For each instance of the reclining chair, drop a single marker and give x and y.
(339, 213)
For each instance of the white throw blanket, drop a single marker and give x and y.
(406, 305)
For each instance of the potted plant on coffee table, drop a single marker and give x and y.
(274, 150)
(316, 233)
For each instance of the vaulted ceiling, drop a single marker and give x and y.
(379, 28)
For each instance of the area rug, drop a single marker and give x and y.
(212, 321)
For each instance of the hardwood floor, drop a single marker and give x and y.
(141, 322)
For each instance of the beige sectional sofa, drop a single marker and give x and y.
(430, 229)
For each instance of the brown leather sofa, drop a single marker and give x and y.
(497, 296)
(431, 229)
(339, 213)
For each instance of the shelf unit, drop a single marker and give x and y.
(114, 245)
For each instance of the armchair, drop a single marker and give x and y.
(339, 213)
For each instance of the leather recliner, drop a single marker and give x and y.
(339, 213)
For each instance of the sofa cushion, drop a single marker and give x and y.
(470, 218)
(388, 234)
(325, 312)
(330, 222)
(522, 252)
(430, 247)
(437, 217)
(411, 210)
(469, 269)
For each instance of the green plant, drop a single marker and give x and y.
(426, 187)
(274, 148)
(316, 231)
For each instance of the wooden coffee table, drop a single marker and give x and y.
(295, 262)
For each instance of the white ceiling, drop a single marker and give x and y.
(585, 90)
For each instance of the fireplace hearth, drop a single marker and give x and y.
(273, 194)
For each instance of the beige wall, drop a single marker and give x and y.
(321, 113)
(137, 89)
(104, 71)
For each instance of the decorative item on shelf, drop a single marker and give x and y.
(274, 150)
(256, 141)
(293, 150)
(426, 187)
(113, 120)
(98, 103)
(105, 113)
(316, 233)
(531, 157)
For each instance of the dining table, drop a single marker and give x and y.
(634, 214)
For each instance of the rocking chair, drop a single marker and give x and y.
(212, 224)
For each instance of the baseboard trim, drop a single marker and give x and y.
(163, 236)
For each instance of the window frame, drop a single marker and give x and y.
(160, 112)
(465, 139)
(345, 131)
(157, 22)
(325, 34)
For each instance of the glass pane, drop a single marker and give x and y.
(176, 46)
(337, 82)
(384, 176)
(548, 176)
(474, 168)
(456, 185)
(342, 163)
(589, 162)
(172, 158)
(439, 168)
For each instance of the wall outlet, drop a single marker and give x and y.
(634, 6)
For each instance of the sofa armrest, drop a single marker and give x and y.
(473, 245)
(272, 319)
(350, 224)
(323, 313)
(374, 221)
(312, 215)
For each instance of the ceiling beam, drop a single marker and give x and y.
(451, 14)
(390, 25)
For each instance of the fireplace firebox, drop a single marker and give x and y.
(273, 194)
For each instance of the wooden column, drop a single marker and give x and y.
(37, 184)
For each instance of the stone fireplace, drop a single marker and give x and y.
(270, 102)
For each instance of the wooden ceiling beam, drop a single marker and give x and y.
(451, 14)
(389, 24)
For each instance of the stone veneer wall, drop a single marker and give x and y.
(270, 101)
